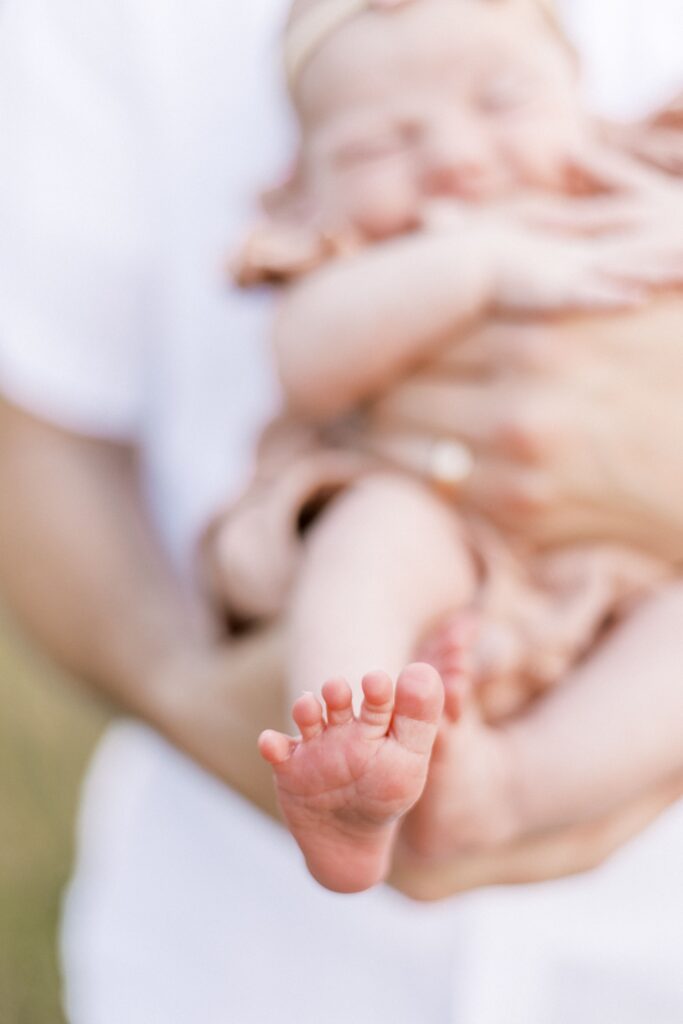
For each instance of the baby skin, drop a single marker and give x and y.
(469, 801)
(388, 559)
(346, 784)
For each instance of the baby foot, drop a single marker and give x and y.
(467, 801)
(345, 785)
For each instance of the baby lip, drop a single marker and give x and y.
(483, 186)
(469, 186)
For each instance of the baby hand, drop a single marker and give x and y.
(543, 273)
(620, 245)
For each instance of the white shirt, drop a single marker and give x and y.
(133, 140)
(133, 135)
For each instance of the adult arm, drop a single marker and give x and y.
(92, 584)
(80, 565)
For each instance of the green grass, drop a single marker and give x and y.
(47, 732)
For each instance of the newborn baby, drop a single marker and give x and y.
(423, 131)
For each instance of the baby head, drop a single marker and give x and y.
(405, 100)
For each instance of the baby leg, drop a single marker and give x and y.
(386, 561)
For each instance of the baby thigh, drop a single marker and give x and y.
(384, 562)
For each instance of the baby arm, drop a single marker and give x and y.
(384, 561)
(344, 331)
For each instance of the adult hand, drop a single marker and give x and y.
(576, 428)
(537, 859)
(607, 251)
(617, 193)
(658, 142)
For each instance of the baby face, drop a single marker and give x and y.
(468, 100)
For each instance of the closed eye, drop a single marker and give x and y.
(507, 94)
(375, 147)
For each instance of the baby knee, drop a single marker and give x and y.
(390, 505)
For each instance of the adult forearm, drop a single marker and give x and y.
(80, 565)
(79, 562)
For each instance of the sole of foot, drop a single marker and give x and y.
(345, 784)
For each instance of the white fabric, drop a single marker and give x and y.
(630, 53)
(133, 139)
(132, 135)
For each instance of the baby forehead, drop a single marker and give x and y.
(376, 52)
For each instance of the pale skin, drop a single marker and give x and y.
(94, 588)
(208, 698)
(211, 699)
(528, 397)
(389, 560)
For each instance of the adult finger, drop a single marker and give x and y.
(442, 408)
(501, 348)
(600, 168)
(515, 421)
(513, 494)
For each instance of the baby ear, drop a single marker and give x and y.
(284, 243)
(286, 201)
(275, 252)
(290, 240)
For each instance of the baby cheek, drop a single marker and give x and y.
(383, 201)
(537, 156)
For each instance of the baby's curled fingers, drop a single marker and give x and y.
(621, 193)
(587, 216)
(546, 278)
(592, 291)
(662, 149)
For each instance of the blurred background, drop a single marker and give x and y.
(49, 726)
(47, 731)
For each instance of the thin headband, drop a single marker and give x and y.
(310, 30)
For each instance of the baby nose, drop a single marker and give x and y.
(457, 163)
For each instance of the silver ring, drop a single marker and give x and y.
(450, 464)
